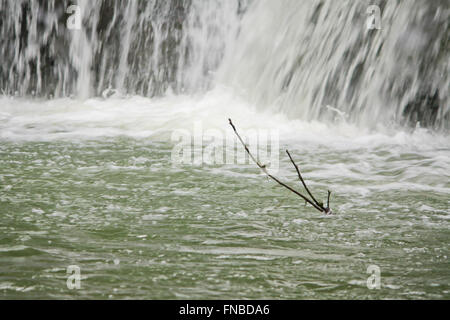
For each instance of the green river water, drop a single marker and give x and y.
(140, 228)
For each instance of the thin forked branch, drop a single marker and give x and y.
(328, 200)
(303, 182)
(313, 202)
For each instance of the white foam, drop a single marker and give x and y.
(157, 118)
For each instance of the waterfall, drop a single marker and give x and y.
(311, 59)
(136, 47)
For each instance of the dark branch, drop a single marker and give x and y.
(246, 148)
(328, 200)
(303, 182)
(263, 168)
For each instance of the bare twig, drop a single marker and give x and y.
(246, 148)
(303, 182)
(313, 202)
(328, 200)
(294, 191)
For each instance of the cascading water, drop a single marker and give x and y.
(304, 58)
(138, 47)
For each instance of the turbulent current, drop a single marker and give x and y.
(94, 101)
